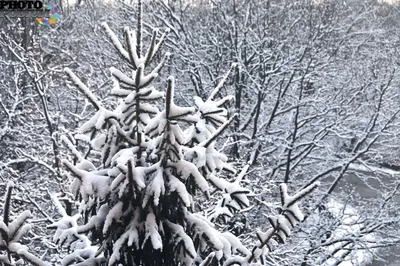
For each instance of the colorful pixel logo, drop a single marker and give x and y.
(53, 17)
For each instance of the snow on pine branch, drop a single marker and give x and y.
(69, 233)
(115, 41)
(132, 45)
(222, 82)
(282, 225)
(84, 89)
(130, 53)
(155, 48)
(234, 197)
(12, 252)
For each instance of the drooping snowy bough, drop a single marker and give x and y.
(282, 225)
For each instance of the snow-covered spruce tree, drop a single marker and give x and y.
(137, 202)
(12, 252)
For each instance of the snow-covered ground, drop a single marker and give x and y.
(349, 229)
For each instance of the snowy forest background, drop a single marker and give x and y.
(181, 146)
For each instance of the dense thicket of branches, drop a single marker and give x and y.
(315, 92)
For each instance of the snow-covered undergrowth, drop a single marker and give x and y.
(347, 244)
(350, 228)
